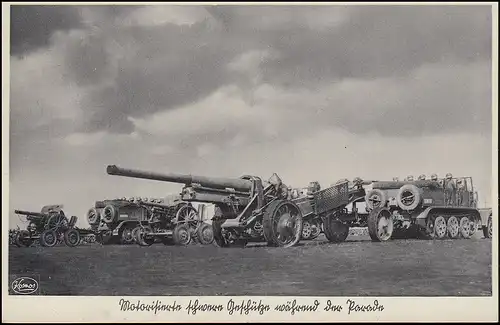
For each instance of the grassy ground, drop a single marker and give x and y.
(356, 267)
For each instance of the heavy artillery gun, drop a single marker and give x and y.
(248, 209)
(49, 227)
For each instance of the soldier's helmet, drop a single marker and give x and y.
(434, 177)
(131, 199)
(421, 177)
(449, 176)
(409, 178)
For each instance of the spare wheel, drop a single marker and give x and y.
(408, 197)
(376, 199)
(109, 214)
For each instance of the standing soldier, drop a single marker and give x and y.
(395, 179)
(409, 178)
(421, 177)
(460, 191)
(434, 177)
(449, 189)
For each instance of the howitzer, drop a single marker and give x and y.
(31, 214)
(48, 226)
(246, 208)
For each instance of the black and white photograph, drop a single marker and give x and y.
(295, 161)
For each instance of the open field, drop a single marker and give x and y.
(356, 267)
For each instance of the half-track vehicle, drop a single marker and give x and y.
(247, 209)
(144, 221)
(49, 227)
(435, 208)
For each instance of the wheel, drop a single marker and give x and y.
(135, 231)
(306, 230)
(93, 216)
(282, 222)
(465, 225)
(23, 239)
(182, 235)
(315, 229)
(126, 236)
(440, 227)
(48, 238)
(205, 234)
(72, 238)
(376, 199)
(408, 197)
(109, 214)
(453, 228)
(143, 239)
(187, 214)
(57, 221)
(380, 224)
(335, 230)
(473, 226)
(488, 230)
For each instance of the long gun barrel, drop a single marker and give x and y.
(27, 213)
(220, 183)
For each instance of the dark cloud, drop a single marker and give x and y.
(372, 41)
(32, 26)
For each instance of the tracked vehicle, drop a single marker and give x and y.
(439, 208)
(145, 221)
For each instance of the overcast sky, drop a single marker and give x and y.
(311, 93)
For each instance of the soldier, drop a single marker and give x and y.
(409, 178)
(358, 183)
(449, 189)
(395, 179)
(460, 191)
(434, 177)
(421, 177)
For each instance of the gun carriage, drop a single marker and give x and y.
(176, 223)
(436, 208)
(326, 211)
(247, 209)
(49, 227)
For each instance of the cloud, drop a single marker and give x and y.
(322, 92)
(32, 26)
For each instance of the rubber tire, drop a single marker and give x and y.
(373, 224)
(23, 243)
(144, 241)
(122, 241)
(486, 232)
(416, 192)
(335, 230)
(66, 238)
(201, 239)
(176, 235)
(267, 223)
(318, 224)
(43, 240)
(112, 211)
(381, 194)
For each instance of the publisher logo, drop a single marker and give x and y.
(24, 286)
